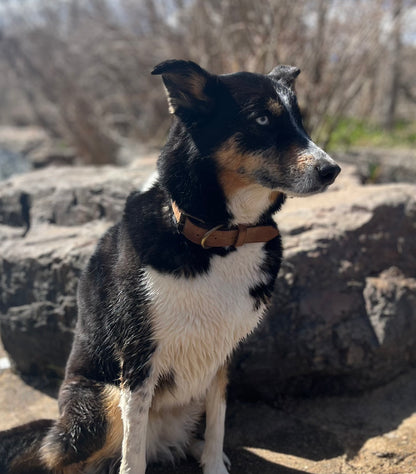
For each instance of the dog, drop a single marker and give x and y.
(174, 287)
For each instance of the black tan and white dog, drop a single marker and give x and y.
(174, 287)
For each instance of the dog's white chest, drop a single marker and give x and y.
(197, 322)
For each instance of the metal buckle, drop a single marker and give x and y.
(207, 234)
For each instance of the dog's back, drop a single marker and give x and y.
(185, 276)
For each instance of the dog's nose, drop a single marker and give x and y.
(327, 172)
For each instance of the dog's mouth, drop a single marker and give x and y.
(299, 180)
(298, 172)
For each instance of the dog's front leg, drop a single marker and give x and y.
(212, 456)
(135, 405)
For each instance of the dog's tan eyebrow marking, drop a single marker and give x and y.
(275, 107)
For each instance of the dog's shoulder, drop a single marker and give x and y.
(150, 227)
(146, 218)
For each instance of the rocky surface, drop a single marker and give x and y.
(35, 146)
(343, 315)
(380, 165)
(22, 140)
(55, 217)
(374, 433)
(344, 312)
(38, 276)
(11, 163)
(69, 196)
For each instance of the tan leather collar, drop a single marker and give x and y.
(244, 234)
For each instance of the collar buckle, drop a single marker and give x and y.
(207, 234)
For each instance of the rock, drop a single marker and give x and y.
(379, 165)
(51, 154)
(390, 302)
(21, 403)
(12, 163)
(38, 277)
(373, 433)
(69, 196)
(22, 140)
(36, 147)
(343, 313)
(349, 178)
(55, 217)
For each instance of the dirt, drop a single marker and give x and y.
(374, 433)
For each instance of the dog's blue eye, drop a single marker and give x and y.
(263, 120)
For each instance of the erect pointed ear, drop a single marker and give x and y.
(186, 85)
(285, 74)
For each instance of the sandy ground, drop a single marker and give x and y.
(374, 433)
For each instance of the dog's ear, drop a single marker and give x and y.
(285, 74)
(187, 87)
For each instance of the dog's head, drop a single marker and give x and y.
(251, 125)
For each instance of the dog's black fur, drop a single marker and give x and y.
(220, 142)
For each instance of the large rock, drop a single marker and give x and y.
(344, 309)
(35, 146)
(343, 315)
(38, 279)
(381, 165)
(50, 223)
(68, 196)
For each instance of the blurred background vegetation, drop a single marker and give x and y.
(80, 69)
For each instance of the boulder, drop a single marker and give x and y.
(38, 280)
(11, 163)
(381, 165)
(35, 147)
(343, 316)
(69, 196)
(50, 221)
(22, 140)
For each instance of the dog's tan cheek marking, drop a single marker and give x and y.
(114, 436)
(235, 169)
(232, 182)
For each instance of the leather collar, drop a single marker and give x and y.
(214, 237)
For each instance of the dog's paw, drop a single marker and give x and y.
(217, 468)
(221, 467)
(226, 460)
